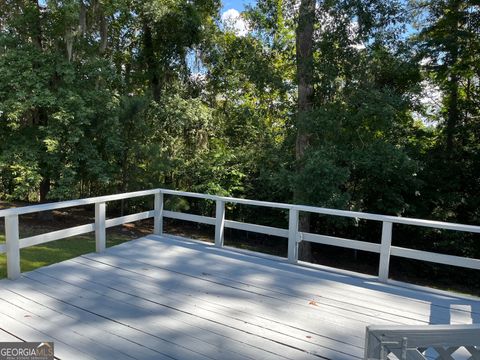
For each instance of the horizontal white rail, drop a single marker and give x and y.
(56, 235)
(384, 247)
(311, 209)
(73, 203)
(436, 257)
(267, 230)
(337, 241)
(392, 219)
(333, 212)
(189, 217)
(80, 230)
(129, 218)
(262, 229)
(228, 199)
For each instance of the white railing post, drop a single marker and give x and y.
(100, 235)
(158, 218)
(12, 246)
(385, 249)
(293, 236)
(219, 223)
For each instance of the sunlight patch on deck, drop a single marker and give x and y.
(165, 298)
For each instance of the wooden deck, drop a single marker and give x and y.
(168, 298)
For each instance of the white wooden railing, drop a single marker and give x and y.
(421, 342)
(384, 248)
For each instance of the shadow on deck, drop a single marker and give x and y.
(173, 298)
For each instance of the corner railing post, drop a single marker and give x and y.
(100, 233)
(219, 223)
(158, 218)
(385, 249)
(12, 247)
(293, 236)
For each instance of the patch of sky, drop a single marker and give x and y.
(238, 5)
(231, 20)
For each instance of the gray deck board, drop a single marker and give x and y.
(170, 298)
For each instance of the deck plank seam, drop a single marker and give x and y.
(313, 269)
(42, 332)
(153, 279)
(256, 287)
(75, 332)
(238, 319)
(216, 322)
(121, 323)
(291, 270)
(219, 304)
(260, 326)
(81, 310)
(413, 315)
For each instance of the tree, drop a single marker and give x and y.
(449, 44)
(305, 101)
(52, 108)
(168, 30)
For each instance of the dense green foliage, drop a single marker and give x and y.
(105, 96)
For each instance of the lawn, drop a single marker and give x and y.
(41, 255)
(53, 252)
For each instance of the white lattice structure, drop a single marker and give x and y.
(442, 342)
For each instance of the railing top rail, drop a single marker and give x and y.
(71, 203)
(335, 212)
(229, 199)
(390, 218)
(438, 327)
(311, 209)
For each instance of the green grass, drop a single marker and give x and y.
(50, 253)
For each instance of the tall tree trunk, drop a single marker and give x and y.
(45, 184)
(37, 27)
(44, 189)
(304, 53)
(103, 33)
(453, 113)
(151, 62)
(40, 114)
(82, 19)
